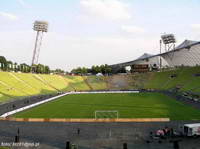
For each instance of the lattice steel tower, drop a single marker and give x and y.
(169, 41)
(40, 27)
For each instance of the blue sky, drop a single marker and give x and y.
(87, 32)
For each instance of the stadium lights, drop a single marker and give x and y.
(168, 38)
(40, 26)
(169, 44)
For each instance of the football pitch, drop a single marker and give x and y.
(128, 105)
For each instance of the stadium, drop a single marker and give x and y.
(144, 101)
(149, 102)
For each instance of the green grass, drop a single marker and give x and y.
(132, 105)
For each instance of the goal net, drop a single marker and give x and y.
(106, 114)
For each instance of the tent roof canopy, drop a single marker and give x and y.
(144, 56)
(186, 44)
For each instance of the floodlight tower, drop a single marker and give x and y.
(169, 41)
(40, 27)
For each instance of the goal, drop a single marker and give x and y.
(106, 114)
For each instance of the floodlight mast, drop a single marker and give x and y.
(169, 41)
(40, 27)
(160, 60)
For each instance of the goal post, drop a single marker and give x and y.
(106, 114)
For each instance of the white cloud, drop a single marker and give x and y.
(109, 9)
(8, 16)
(195, 27)
(132, 29)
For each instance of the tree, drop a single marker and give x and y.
(46, 69)
(96, 69)
(80, 71)
(40, 68)
(108, 69)
(84, 70)
(25, 68)
(104, 69)
(3, 62)
(15, 67)
(9, 65)
(58, 71)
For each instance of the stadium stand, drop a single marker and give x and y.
(117, 82)
(182, 78)
(78, 83)
(86, 82)
(158, 80)
(96, 82)
(18, 85)
(35, 83)
(56, 82)
(11, 86)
